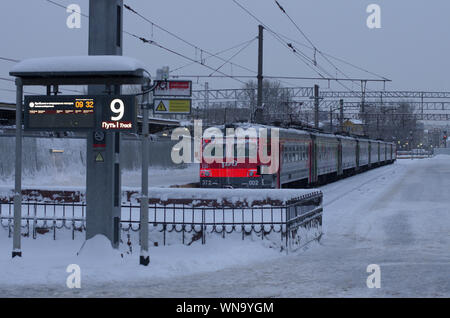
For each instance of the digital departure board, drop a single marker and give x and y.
(59, 112)
(71, 113)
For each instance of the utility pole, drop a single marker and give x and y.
(103, 184)
(206, 95)
(316, 106)
(341, 114)
(363, 101)
(259, 102)
(331, 119)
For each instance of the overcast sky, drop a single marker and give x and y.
(412, 47)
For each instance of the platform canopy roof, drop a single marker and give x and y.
(66, 70)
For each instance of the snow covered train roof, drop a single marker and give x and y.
(78, 66)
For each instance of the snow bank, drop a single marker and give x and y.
(45, 261)
(98, 248)
(249, 196)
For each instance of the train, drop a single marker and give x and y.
(306, 158)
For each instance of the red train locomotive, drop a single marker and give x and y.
(298, 158)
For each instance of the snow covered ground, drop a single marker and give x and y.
(75, 179)
(396, 216)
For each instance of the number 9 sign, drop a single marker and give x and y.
(117, 107)
(117, 112)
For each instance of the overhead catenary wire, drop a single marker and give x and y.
(219, 53)
(154, 43)
(277, 77)
(315, 49)
(151, 42)
(309, 40)
(9, 59)
(300, 54)
(233, 56)
(297, 52)
(196, 47)
(337, 58)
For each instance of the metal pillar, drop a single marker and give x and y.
(259, 102)
(363, 106)
(17, 251)
(331, 119)
(103, 184)
(144, 258)
(341, 114)
(316, 106)
(206, 96)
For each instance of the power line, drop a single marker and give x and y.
(219, 53)
(296, 51)
(144, 40)
(7, 79)
(196, 47)
(282, 77)
(277, 37)
(151, 42)
(308, 39)
(9, 59)
(363, 82)
(305, 59)
(233, 56)
(65, 8)
(337, 58)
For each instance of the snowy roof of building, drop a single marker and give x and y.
(78, 66)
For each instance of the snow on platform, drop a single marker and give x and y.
(396, 216)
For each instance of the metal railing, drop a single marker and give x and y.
(414, 154)
(297, 221)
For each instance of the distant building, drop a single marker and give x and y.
(353, 126)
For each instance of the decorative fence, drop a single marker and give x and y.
(295, 215)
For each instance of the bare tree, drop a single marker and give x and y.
(394, 123)
(277, 101)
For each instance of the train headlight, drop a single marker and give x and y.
(252, 173)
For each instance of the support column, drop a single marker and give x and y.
(17, 251)
(103, 182)
(316, 106)
(259, 102)
(144, 258)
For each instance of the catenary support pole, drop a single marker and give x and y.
(341, 114)
(331, 119)
(17, 251)
(259, 101)
(316, 106)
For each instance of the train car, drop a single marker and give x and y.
(374, 153)
(296, 149)
(385, 152)
(305, 158)
(325, 160)
(240, 172)
(363, 153)
(348, 154)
